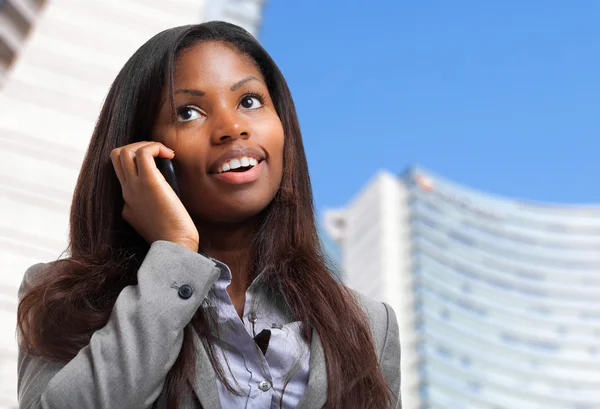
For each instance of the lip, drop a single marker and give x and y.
(234, 154)
(239, 178)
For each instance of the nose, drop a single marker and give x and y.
(229, 126)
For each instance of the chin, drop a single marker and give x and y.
(235, 211)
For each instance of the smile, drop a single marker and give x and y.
(241, 164)
(240, 174)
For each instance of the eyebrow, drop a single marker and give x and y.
(238, 84)
(234, 87)
(191, 91)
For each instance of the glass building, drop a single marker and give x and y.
(497, 299)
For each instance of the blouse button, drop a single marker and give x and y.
(252, 317)
(264, 385)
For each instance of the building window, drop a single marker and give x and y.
(474, 386)
(461, 238)
(544, 345)
(424, 390)
(444, 353)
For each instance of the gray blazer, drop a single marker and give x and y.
(126, 363)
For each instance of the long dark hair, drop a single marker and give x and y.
(57, 317)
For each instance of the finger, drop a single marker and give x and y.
(116, 161)
(128, 161)
(145, 158)
(127, 157)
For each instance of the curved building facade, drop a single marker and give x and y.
(504, 307)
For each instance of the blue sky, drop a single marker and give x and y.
(503, 96)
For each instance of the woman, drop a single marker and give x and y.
(218, 297)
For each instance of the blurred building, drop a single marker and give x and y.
(57, 61)
(330, 249)
(17, 17)
(497, 299)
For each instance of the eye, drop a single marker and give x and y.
(186, 114)
(251, 102)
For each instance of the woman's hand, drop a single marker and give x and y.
(151, 206)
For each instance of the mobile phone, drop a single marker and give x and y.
(166, 167)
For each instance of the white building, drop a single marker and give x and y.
(497, 299)
(57, 60)
(373, 236)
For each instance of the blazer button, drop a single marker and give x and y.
(185, 291)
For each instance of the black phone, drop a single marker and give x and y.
(168, 170)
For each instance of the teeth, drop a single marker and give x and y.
(244, 161)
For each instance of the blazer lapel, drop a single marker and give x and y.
(315, 394)
(205, 383)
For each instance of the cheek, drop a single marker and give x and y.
(277, 142)
(190, 168)
(190, 163)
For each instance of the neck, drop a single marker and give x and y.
(230, 244)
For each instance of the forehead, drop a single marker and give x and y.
(208, 63)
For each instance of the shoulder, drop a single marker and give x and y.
(32, 276)
(382, 321)
(386, 336)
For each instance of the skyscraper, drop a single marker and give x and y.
(496, 298)
(61, 56)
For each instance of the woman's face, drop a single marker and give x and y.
(227, 136)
